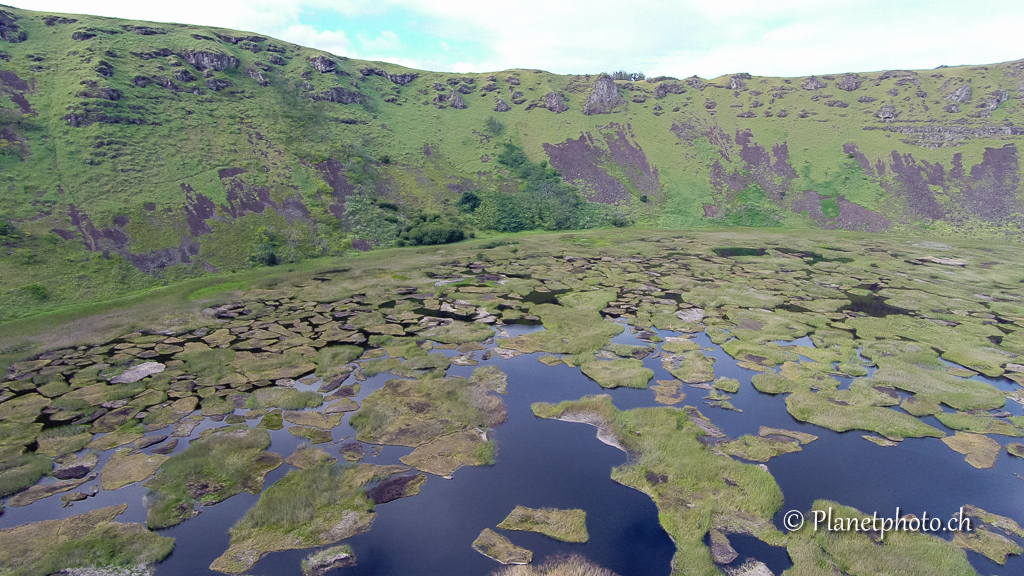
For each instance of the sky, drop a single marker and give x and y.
(672, 38)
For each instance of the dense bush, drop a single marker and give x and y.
(429, 229)
(631, 76)
(543, 200)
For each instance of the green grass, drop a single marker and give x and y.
(412, 412)
(671, 465)
(900, 552)
(614, 373)
(23, 471)
(313, 507)
(497, 547)
(286, 398)
(226, 463)
(90, 540)
(564, 525)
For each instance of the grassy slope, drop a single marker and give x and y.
(279, 135)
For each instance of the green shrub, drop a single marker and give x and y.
(494, 127)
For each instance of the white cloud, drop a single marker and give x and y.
(670, 37)
(333, 41)
(386, 41)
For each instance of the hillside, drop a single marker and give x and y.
(136, 154)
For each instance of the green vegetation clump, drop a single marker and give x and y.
(413, 412)
(497, 547)
(210, 470)
(614, 373)
(543, 200)
(564, 525)
(906, 553)
(90, 540)
(669, 463)
(313, 507)
(20, 472)
(429, 229)
(286, 398)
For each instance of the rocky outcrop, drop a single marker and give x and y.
(258, 76)
(218, 84)
(400, 79)
(813, 83)
(960, 95)
(513, 81)
(338, 96)
(456, 100)
(695, 83)
(666, 88)
(237, 39)
(735, 83)
(604, 97)
(9, 29)
(849, 82)
(104, 69)
(184, 75)
(206, 60)
(323, 64)
(887, 113)
(994, 100)
(555, 103)
(501, 106)
(465, 89)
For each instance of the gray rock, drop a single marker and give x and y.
(952, 108)
(206, 60)
(554, 103)
(721, 551)
(456, 100)
(849, 82)
(339, 96)
(513, 80)
(887, 113)
(736, 83)
(184, 75)
(960, 95)
(750, 567)
(136, 373)
(813, 83)
(694, 315)
(666, 88)
(994, 100)
(218, 84)
(501, 106)
(695, 83)
(323, 64)
(604, 97)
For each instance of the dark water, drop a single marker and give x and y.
(557, 464)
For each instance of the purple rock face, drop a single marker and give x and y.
(583, 162)
(991, 191)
